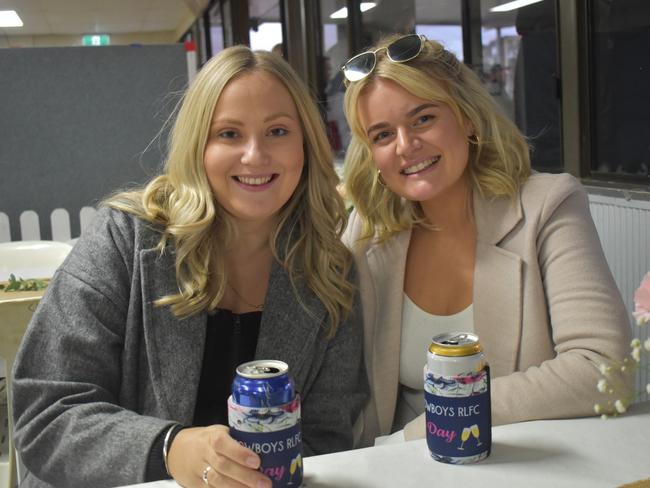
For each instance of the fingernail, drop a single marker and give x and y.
(252, 461)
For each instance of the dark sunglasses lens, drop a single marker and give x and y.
(359, 66)
(405, 49)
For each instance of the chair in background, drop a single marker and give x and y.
(24, 259)
(31, 259)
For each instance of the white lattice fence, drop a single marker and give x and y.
(30, 225)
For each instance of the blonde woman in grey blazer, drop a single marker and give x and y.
(449, 222)
(232, 254)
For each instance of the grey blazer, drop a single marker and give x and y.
(102, 371)
(546, 307)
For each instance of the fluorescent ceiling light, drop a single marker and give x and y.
(342, 13)
(9, 18)
(506, 7)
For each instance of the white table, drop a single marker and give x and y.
(571, 453)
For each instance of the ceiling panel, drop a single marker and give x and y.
(160, 20)
(73, 17)
(20, 4)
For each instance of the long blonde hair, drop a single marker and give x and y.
(499, 161)
(306, 239)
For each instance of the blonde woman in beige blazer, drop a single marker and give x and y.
(448, 214)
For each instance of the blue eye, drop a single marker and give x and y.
(381, 136)
(279, 131)
(423, 119)
(228, 134)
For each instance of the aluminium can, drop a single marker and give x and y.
(263, 383)
(264, 415)
(457, 399)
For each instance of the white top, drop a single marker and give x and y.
(418, 328)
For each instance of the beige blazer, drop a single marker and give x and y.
(546, 307)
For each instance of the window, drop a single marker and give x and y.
(335, 53)
(266, 28)
(516, 53)
(216, 29)
(519, 66)
(441, 21)
(620, 84)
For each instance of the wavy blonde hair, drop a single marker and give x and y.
(306, 239)
(498, 163)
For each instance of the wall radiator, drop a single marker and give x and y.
(624, 230)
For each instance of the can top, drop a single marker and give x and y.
(266, 368)
(455, 344)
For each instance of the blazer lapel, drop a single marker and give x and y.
(174, 346)
(288, 330)
(497, 283)
(387, 265)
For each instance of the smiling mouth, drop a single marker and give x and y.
(416, 168)
(255, 180)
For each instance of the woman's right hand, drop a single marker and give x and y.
(228, 463)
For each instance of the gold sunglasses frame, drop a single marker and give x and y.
(345, 68)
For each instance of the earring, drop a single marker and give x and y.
(473, 139)
(380, 179)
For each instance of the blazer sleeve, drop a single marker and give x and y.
(339, 392)
(588, 320)
(70, 426)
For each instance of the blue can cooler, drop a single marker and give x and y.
(264, 416)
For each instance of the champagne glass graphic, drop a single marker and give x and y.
(476, 432)
(293, 467)
(463, 437)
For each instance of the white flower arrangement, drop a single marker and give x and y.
(631, 364)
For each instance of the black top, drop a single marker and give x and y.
(230, 339)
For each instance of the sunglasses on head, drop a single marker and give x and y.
(399, 51)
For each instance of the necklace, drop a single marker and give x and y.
(246, 302)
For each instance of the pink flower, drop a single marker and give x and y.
(642, 301)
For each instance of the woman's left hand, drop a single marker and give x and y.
(208, 456)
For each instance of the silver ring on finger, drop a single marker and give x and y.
(204, 476)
